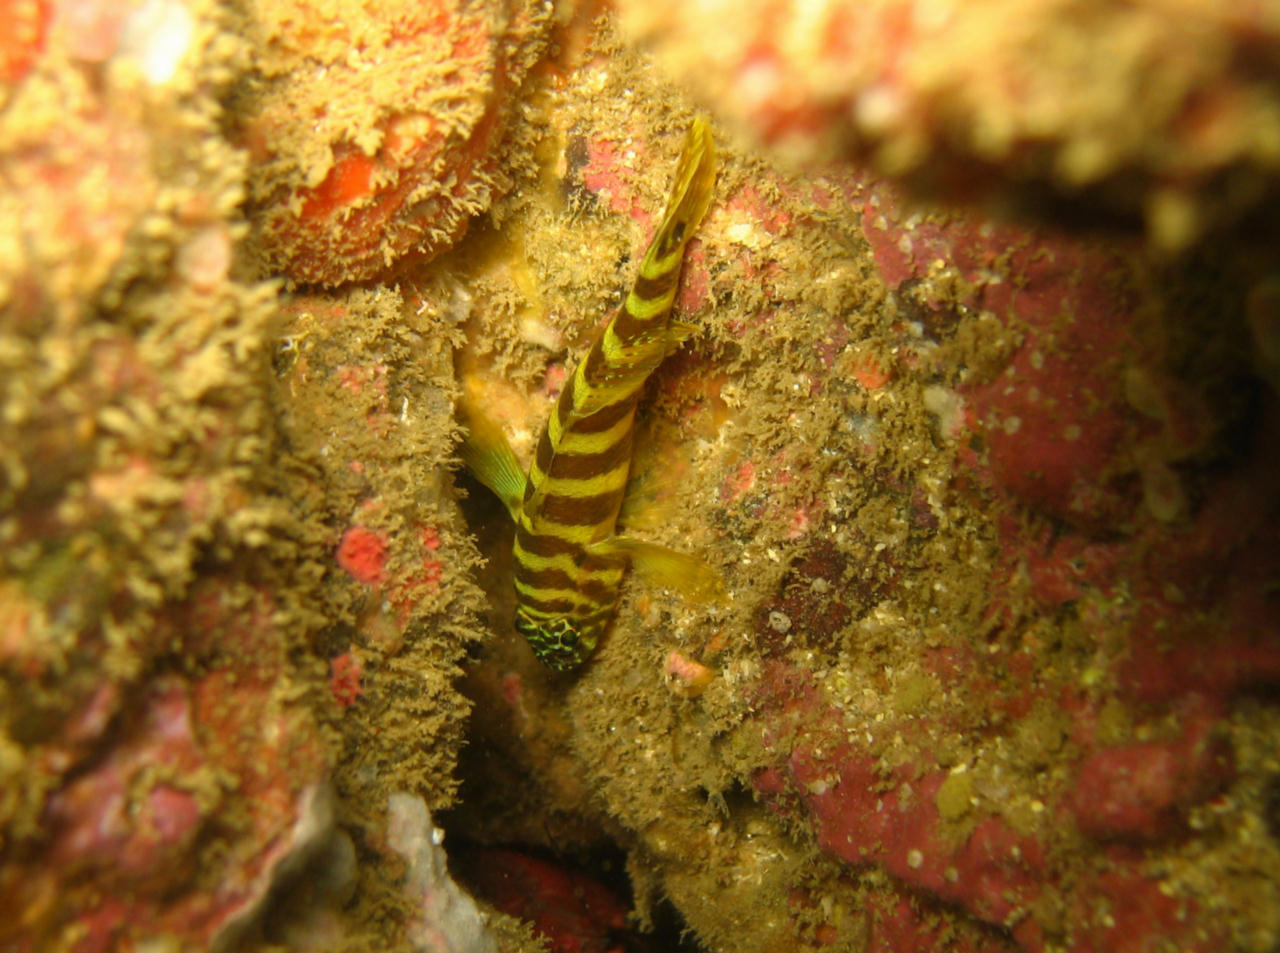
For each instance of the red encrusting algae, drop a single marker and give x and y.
(363, 553)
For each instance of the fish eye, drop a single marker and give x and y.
(559, 643)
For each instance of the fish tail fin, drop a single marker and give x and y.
(691, 193)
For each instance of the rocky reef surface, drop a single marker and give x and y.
(992, 485)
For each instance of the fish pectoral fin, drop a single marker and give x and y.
(658, 566)
(680, 331)
(489, 456)
(649, 504)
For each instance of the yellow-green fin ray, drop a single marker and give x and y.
(489, 456)
(665, 568)
(691, 192)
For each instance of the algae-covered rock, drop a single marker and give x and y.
(956, 474)
(1163, 115)
(376, 128)
(174, 699)
(994, 505)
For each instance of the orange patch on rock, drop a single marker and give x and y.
(363, 553)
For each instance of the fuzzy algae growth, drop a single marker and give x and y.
(995, 510)
(178, 463)
(145, 555)
(376, 131)
(905, 683)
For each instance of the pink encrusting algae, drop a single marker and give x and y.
(347, 669)
(363, 553)
(378, 132)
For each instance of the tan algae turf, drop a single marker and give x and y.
(364, 386)
(145, 551)
(838, 465)
(113, 352)
(176, 473)
(370, 367)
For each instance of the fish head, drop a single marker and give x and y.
(562, 643)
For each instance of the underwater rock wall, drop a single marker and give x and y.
(181, 511)
(995, 502)
(160, 764)
(1159, 114)
(990, 678)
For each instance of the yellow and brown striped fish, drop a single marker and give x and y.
(569, 558)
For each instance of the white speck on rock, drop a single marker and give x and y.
(448, 919)
(158, 36)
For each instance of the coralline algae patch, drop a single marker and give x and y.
(570, 907)
(1095, 410)
(148, 812)
(377, 129)
(958, 824)
(1091, 721)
